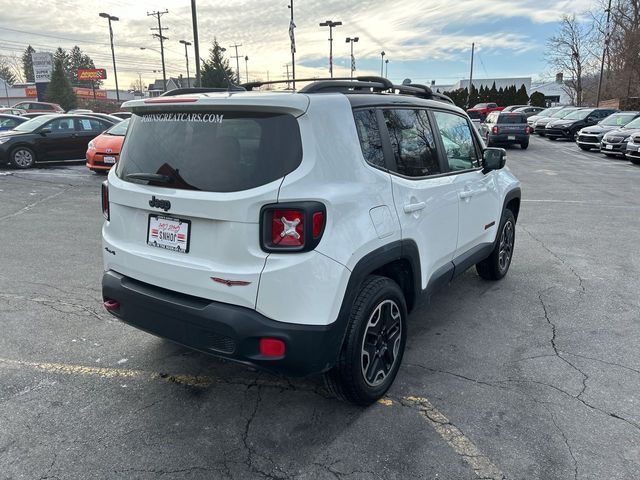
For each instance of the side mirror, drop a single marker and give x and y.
(493, 159)
(44, 131)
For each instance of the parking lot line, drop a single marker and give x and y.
(106, 372)
(481, 465)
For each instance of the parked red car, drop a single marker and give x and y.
(104, 150)
(39, 107)
(481, 110)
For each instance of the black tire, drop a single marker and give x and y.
(552, 138)
(524, 145)
(610, 155)
(22, 157)
(356, 378)
(496, 265)
(586, 149)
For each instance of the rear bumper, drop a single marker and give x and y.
(504, 138)
(221, 329)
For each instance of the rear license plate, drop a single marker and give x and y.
(609, 147)
(169, 233)
(511, 137)
(109, 159)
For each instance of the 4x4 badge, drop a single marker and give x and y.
(157, 203)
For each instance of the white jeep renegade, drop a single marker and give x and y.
(295, 231)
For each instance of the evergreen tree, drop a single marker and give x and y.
(493, 93)
(213, 70)
(62, 56)
(522, 98)
(474, 97)
(27, 64)
(500, 97)
(59, 90)
(77, 60)
(6, 73)
(537, 99)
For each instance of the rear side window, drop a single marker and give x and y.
(211, 151)
(457, 139)
(412, 142)
(369, 135)
(512, 118)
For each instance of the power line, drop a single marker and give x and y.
(162, 38)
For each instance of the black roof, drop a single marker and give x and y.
(361, 100)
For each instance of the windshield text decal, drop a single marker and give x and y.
(182, 117)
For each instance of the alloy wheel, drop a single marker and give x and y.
(506, 245)
(23, 158)
(381, 342)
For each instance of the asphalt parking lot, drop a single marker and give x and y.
(533, 377)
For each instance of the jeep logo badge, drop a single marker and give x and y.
(157, 203)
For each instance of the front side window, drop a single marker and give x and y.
(457, 139)
(369, 135)
(61, 125)
(412, 142)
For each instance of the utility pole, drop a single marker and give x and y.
(330, 24)
(604, 52)
(352, 40)
(473, 47)
(292, 36)
(186, 56)
(162, 38)
(140, 83)
(237, 57)
(286, 65)
(196, 43)
(382, 54)
(386, 68)
(246, 68)
(112, 18)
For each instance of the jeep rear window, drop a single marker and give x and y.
(211, 151)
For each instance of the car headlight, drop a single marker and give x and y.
(91, 146)
(4, 140)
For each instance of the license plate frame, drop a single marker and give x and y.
(608, 147)
(170, 222)
(109, 159)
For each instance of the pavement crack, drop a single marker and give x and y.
(565, 439)
(581, 288)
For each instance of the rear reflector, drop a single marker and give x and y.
(105, 200)
(495, 130)
(318, 224)
(271, 347)
(111, 305)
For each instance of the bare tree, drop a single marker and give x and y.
(570, 52)
(11, 68)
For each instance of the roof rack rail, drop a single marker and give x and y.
(182, 91)
(421, 91)
(330, 84)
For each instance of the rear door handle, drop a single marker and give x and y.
(414, 207)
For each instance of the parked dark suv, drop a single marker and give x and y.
(569, 126)
(507, 128)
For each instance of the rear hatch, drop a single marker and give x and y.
(186, 195)
(512, 123)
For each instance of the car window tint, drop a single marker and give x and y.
(458, 141)
(369, 135)
(512, 118)
(61, 125)
(412, 142)
(8, 123)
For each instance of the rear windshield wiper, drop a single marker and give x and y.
(151, 177)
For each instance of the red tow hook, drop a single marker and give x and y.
(111, 305)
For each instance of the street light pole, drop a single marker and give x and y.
(237, 57)
(330, 24)
(186, 56)
(382, 54)
(352, 40)
(604, 52)
(386, 68)
(113, 54)
(246, 67)
(196, 43)
(292, 37)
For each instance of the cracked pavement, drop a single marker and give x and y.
(541, 372)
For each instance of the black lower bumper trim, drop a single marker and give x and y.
(221, 329)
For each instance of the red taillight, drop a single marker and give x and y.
(495, 130)
(527, 130)
(318, 224)
(111, 305)
(105, 200)
(287, 228)
(292, 227)
(272, 347)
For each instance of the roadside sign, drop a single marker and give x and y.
(92, 74)
(88, 92)
(42, 67)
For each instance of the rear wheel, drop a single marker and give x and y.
(373, 345)
(524, 145)
(22, 157)
(496, 265)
